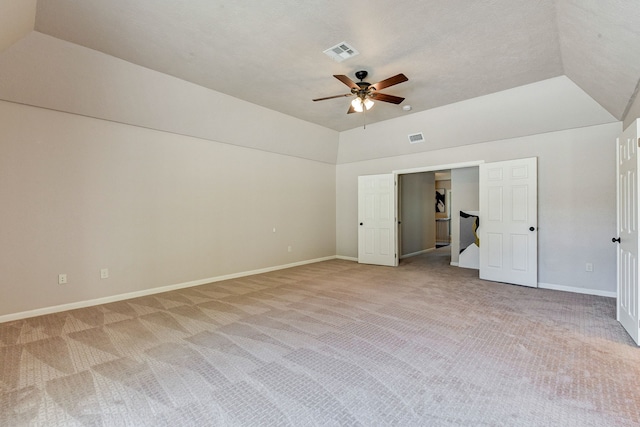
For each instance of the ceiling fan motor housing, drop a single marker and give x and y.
(363, 90)
(361, 75)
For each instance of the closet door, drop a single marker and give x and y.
(509, 222)
(377, 220)
(627, 225)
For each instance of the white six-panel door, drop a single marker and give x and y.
(377, 221)
(627, 213)
(509, 222)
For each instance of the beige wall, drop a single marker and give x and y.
(43, 71)
(554, 120)
(17, 18)
(576, 199)
(80, 194)
(534, 109)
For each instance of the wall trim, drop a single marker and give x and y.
(151, 291)
(454, 264)
(439, 167)
(577, 290)
(346, 258)
(412, 254)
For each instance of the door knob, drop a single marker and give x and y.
(615, 240)
(532, 229)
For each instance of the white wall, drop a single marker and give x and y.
(79, 194)
(546, 106)
(43, 71)
(576, 198)
(417, 212)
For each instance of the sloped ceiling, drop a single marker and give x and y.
(270, 52)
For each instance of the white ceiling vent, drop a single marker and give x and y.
(415, 138)
(340, 52)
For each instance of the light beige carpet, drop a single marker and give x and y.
(333, 343)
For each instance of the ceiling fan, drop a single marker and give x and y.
(367, 93)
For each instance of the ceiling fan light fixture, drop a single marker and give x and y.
(368, 103)
(359, 103)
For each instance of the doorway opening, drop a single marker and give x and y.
(507, 205)
(429, 205)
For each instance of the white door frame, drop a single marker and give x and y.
(438, 167)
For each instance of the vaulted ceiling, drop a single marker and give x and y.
(270, 52)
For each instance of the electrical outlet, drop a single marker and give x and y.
(289, 249)
(104, 273)
(62, 279)
(589, 267)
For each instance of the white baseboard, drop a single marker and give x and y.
(454, 264)
(145, 292)
(577, 290)
(424, 251)
(346, 258)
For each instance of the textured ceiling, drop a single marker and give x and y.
(270, 52)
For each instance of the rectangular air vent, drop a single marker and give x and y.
(415, 138)
(340, 52)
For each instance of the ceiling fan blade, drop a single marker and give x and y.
(331, 97)
(346, 80)
(386, 98)
(351, 109)
(399, 78)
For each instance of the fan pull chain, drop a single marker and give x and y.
(364, 117)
